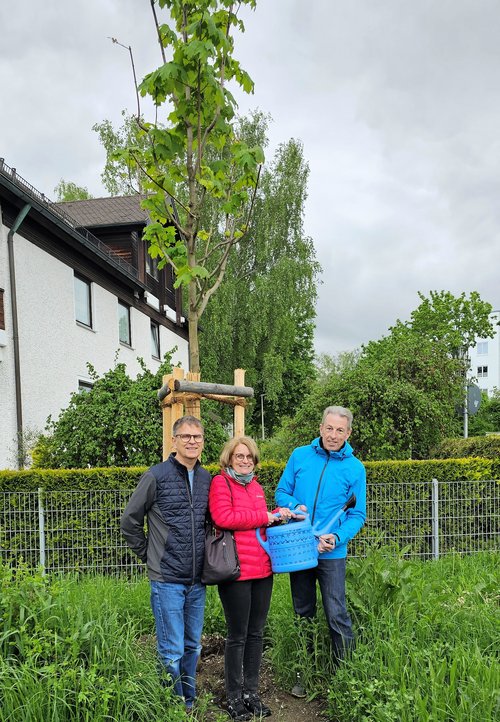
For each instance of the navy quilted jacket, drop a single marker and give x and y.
(174, 546)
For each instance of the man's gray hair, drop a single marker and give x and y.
(338, 411)
(191, 420)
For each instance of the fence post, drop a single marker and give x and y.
(41, 529)
(435, 519)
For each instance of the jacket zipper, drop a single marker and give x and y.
(317, 490)
(190, 497)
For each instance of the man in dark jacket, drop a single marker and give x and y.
(173, 497)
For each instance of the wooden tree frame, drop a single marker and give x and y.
(182, 392)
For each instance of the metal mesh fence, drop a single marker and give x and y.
(80, 530)
(428, 519)
(66, 530)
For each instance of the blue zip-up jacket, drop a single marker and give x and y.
(323, 481)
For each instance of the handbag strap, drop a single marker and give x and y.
(209, 519)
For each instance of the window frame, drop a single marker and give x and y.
(155, 342)
(88, 284)
(122, 304)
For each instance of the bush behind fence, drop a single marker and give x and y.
(70, 519)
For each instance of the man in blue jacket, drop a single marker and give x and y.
(173, 498)
(319, 478)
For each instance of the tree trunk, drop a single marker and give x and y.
(194, 347)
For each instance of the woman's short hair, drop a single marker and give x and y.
(229, 447)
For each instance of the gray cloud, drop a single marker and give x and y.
(397, 104)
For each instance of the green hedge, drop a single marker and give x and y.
(399, 509)
(377, 472)
(487, 447)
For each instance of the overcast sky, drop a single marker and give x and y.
(397, 103)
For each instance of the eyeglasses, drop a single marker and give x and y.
(244, 457)
(187, 437)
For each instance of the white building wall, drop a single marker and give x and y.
(54, 348)
(490, 359)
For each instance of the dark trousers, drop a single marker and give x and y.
(330, 573)
(246, 605)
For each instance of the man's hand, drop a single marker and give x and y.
(326, 543)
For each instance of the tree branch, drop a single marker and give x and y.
(128, 47)
(157, 25)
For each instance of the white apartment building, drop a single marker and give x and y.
(485, 359)
(76, 286)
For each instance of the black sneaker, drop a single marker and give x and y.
(237, 709)
(252, 702)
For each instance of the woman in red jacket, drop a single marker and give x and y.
(237, 502)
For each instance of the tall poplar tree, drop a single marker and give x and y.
(263, 316)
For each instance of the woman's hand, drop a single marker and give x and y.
(282, 515)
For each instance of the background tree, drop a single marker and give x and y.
(262, 317)
(196, 154)
(487, 418)
(121, 177)
(403, 389)
(456, 321)
(69, 191)
(116, 423)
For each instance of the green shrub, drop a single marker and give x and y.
(487, 447)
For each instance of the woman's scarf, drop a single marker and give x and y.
(242, 479)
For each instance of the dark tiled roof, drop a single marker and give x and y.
(106, 211)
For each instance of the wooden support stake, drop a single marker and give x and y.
(239, 411)
(176, 408)
(192, 403)
(167, 423)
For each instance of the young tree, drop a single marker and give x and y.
(196, 156)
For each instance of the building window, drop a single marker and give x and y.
(84, 386)
(482, 372)
(152, 267)
(83, 301)
(482, 348)
(2, 312)
(155, 340)
(124, 323)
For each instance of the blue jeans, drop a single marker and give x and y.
(330, 574)
(178, 611)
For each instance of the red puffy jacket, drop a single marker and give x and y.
(243, 514)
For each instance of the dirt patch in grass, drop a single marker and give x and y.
(285, 708)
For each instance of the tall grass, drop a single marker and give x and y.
(74, 649)
(80, 649)
(427, 648)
